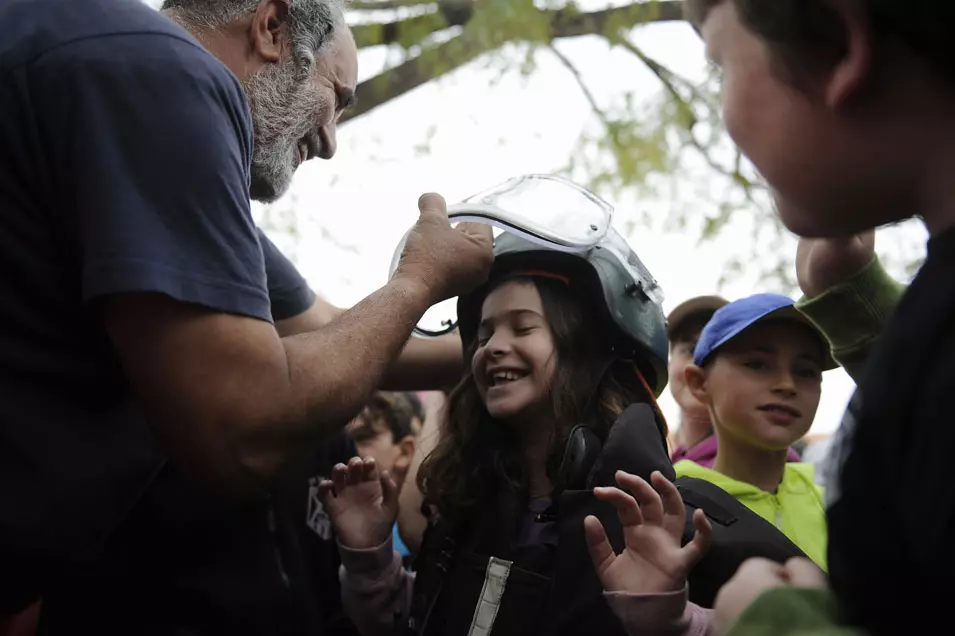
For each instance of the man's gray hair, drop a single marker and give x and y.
(311, 23)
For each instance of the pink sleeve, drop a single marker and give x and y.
(667, 614)
(376, 589)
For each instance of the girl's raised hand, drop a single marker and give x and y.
(362, 503)
(654, 561)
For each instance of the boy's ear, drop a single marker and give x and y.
(406, 449)
(696, 382)
(850, 73)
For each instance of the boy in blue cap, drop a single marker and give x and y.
(758, 369)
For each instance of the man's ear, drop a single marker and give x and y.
(268, 31)
(696, 382)
(850, 73)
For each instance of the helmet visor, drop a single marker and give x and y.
(545, 209)
(548, 210)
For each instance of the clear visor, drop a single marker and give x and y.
(548, 210)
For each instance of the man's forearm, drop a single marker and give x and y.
(229, 398)
(333, 370)
(330, 374)
(426, 364)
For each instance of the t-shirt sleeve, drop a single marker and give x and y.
(150, 142)
(289, 292)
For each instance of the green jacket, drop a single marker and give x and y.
(797, 508)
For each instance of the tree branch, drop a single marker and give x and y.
(578, 77)
(429, 65)
(569, 24)
(565, 23)
(384, 5)
(448, 56)
(669, 79)
(407, 32)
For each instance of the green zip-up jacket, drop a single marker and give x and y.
(797, 507)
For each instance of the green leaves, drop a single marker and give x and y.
(637, 146)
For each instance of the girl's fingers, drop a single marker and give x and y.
(340, 477)
(325, 489)
(651, 507)
(626, 506)
(670, 496)
(697, 547)
(356, 469)
(389, 492)
(369, 470)
(601, 552)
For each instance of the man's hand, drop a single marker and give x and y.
(448, 261)
(824, 263)
(362, 504)
(653, 561)
(755, 577)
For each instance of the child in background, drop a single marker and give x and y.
(758, 369)
(385, 431)
(684, 325)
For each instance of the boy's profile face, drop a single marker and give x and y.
(681, 356)
(374, 438)
(833, 149)
(763, 386)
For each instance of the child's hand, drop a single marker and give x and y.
(362, 504)
(654, 561)
(753, 578)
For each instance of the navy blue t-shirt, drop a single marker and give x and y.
(289, 293)
(125, 152)
(185, 560)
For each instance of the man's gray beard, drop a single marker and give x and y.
(284, 109)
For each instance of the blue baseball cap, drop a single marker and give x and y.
(733, 319)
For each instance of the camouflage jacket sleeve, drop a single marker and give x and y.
(853, 314)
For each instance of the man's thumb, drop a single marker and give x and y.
(432, 204)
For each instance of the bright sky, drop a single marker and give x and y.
(482, 128)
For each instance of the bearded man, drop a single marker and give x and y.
(138, 333)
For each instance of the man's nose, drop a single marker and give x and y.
(328, 136)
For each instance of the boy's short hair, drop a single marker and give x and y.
(809, 34)
(384, 411)
(417, 408)
(735, 318)
(687, 319)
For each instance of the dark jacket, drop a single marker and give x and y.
(476, 574)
